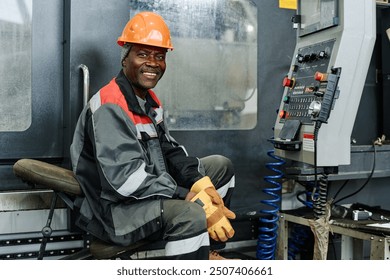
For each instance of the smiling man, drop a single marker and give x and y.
(138, 182)
(143, 66)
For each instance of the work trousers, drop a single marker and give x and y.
(184, 222)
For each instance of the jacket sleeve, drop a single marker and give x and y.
(185, 169)
(122, 165)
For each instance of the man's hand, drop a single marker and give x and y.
(218, 225)
(207, 186)
(190, 196)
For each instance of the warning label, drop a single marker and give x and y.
(308, 142)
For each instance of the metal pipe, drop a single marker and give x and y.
(85, 70)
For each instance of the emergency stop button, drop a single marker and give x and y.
(321, 77)
(287, 82)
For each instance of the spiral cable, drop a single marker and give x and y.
(268, 232)
(320, 203)
(300, 235)
(297, 243)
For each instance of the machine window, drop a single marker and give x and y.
(211, 77)
(15, 64)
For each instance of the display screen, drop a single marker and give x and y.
(317, 15)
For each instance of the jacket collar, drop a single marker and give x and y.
(131, 99)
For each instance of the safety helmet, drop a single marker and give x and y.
(146, 28)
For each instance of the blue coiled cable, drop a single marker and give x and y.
(268, 231)
(297, 243)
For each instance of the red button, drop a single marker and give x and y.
(318, 76)
(288, 82)
(282, 114)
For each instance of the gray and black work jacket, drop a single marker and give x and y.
(126, 163)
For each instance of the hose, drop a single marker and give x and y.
(300, 235)
(319, 205)
(297, 243)
(268, 231)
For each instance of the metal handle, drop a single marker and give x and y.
(85, 83)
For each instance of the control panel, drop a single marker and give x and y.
(307, 84)
(323, 87)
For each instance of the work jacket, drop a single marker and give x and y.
(126, 163)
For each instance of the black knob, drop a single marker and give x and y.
(322, 54)
(300, 58)
(313, 56)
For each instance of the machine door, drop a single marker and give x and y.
(43, 45)
(92, 28)
(31, 88)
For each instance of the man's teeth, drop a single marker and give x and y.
(150, 74)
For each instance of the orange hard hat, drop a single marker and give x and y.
(146, 28)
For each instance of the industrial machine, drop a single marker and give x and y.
(55, 54)
(235, 64)
(324, 85)
(317, 117)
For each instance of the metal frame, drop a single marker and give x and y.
(351, 240)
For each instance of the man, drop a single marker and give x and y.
(133, 173)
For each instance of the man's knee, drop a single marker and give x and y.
(222, 160)
(225, 163)
(218, 164)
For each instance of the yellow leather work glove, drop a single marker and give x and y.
(218, 225)
(207, 186)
